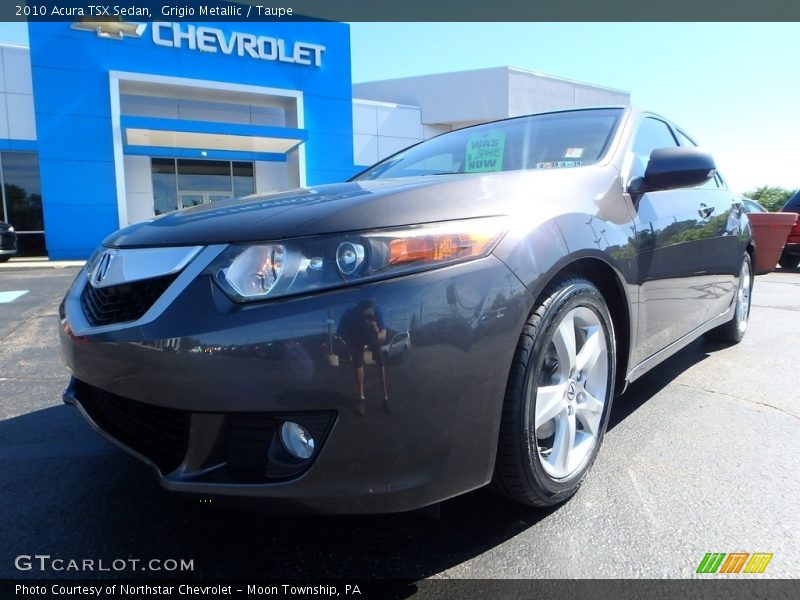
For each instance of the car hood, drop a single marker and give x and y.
(362, 205)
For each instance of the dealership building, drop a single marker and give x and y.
(107, 124)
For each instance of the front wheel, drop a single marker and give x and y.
(733, 331)
(558, 396)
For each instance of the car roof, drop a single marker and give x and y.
(793, 202)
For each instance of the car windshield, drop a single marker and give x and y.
(751, 206)
(547, 141)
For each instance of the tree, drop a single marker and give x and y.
(770, 197)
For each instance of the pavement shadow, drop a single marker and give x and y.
(652, 382)
(70, 494)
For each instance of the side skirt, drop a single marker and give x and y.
(648, 363)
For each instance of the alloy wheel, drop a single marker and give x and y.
(571, 393)
(743, 297)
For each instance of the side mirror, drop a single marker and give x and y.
(671, 168)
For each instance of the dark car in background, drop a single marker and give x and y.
(8, 242)
(533, 267)
(790, 258)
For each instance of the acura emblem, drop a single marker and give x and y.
(101, 270)
(572, 390)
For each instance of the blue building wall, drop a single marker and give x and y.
(70, 70)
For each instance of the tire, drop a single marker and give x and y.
(789, 261)
(526, 468)
(5, 258)
(733, 331)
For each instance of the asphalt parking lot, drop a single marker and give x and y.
(701, 456)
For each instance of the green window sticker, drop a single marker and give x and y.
(485, 153)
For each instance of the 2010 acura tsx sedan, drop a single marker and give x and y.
(530, 269)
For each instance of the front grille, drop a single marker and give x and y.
(124, 302)
(8, 241)
(157, 433)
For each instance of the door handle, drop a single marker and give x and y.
(705, 211)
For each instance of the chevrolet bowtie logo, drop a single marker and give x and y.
(114, 30)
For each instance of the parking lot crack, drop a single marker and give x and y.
(789, 308)
(740, 398)
(26, 321)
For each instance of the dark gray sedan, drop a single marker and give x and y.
(8, 242)
(536, 266)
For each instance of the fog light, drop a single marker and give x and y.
(297, 440)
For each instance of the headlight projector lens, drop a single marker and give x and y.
(349, 257)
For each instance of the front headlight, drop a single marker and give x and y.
(11, 229)
(257, 271)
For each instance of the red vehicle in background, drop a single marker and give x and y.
(791, 251)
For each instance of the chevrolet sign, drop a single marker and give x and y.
(211, 39)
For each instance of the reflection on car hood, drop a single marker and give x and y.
(354, 206)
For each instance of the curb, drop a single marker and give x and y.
(14, 264)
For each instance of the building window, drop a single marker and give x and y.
(22, 201)
(180, 183)
(165, 185)
(243, 181)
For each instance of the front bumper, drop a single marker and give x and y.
(211, 381)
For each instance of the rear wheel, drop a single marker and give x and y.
(789, 261)
(733, 331)
(558, 396)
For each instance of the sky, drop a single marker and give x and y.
(734, 87)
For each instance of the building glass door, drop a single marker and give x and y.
(181, 183)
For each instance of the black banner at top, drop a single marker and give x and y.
(401, 10)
